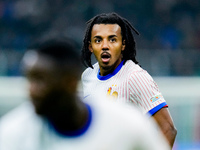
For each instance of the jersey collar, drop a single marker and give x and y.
(78, 132)
(108, 76)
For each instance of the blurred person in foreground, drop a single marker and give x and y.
(57, 119)
(117, 74)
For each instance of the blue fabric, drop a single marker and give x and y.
(111, 74)
(157, 108)
(78, 132)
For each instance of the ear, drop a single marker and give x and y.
(90, 47)
(123, 45)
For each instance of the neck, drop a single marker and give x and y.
(72, 119)
(109, 69)
(106, 70)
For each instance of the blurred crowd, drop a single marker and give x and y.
(169, 30)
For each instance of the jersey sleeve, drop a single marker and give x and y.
(85, 80)
(145, 92)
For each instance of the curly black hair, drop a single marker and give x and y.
(127, 34)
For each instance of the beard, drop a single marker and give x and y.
(109, 68)
(53, 104)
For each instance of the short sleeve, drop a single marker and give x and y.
(145, 92)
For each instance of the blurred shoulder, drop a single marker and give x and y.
(16, 117)
(129, 122)
(114, 108)
(90, 71)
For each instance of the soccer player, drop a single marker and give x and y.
(57, 119)
(117, 74)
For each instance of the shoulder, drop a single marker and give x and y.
(124, 115)
(130, 122)
(18, 113)
(132, 68)
(20, 127)
(17, 119)
(90, 71)
(126, 120)
(120, 111)
(136, 72)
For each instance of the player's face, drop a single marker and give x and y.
(107, 45)
(44, 87)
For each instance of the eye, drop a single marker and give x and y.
(35, 78)
(97, 40)
(112, 40)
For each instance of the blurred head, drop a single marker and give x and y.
(126, 31)
(52, 68)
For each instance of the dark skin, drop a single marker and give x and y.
(107, 37)
(165, 122)
(53, 93)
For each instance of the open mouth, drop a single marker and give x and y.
(105, 57)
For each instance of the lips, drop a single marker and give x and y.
(105, 57)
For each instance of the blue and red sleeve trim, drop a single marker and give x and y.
(157, 108)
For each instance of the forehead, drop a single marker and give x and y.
(105, 30)
(36, 61)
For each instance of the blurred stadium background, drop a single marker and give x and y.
(168, 48)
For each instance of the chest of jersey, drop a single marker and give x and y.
(113, 87)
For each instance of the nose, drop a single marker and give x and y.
(105, 45)
(35, 89)
(32, 88)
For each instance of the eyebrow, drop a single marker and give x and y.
(99, 37)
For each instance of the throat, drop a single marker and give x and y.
(106, 70)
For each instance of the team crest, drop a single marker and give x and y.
(111, 92)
